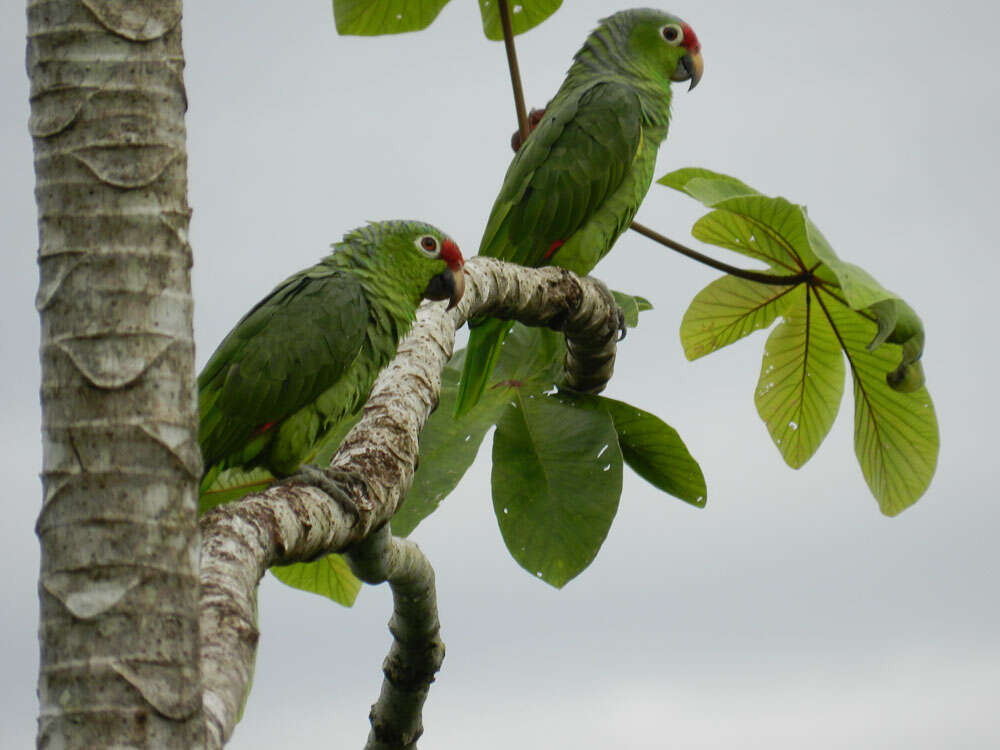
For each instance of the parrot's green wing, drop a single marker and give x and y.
(565, 172)
(281, 356)
(563, 177)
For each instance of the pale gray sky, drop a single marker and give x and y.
(788, 613)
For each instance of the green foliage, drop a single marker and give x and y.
(447, 448)
(631, 306)
(651, 447)
(374, 17)
(231, 484)
(531, 361)
(831, 309)
(557, 479)
(329, 576)
(727, 310)
(524, 15)
(557, 458)
(895, 433)
(801, 379)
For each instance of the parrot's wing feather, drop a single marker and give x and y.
(282, 355)
(573, 161)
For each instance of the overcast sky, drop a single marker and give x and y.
(789, 612)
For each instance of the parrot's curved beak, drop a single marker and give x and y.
(690, 68)
(448, 284)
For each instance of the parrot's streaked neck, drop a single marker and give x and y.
(388, 285)
(603, 57)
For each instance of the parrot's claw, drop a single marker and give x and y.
(622, 326)
(332, 482)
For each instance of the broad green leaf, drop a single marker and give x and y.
(860, 288)
(899, 324)
(727, 310)
(706, 186)
(448, 446)
(531, 362)
(801, 379)
(329, 576)
(886, 315)
(655, 452)
(895, 434)
(631, 306)
(768, 229)
(530, 355)
(651, 447)
(524, 15)
(557, 479)
(232, 484)
(373, 17)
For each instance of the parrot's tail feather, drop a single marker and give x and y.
(480, 358)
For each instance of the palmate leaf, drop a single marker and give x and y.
(727, 310)
(706, 186)
(895, 433)
(769, 229)
(557, 479)
(801, 379)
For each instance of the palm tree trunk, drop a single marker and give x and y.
(118, 583)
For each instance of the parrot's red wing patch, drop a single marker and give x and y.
(264, 428)
(553, 247)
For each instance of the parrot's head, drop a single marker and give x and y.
(409, 256)
(659, 42)
(427, 258)
(449, 284)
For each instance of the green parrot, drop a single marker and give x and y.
(306, 356)
(577, 181)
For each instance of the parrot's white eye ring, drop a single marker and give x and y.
(428, 245)
(673, 34)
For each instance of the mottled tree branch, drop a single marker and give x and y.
(290, 523)
(417, 650)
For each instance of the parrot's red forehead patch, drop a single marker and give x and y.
(690, 42)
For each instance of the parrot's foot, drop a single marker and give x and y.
(332, 482)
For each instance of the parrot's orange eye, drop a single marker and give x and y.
(428, 245)
(673, 33)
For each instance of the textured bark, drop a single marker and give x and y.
(289, 523)
(119, 539)
(417, 650)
